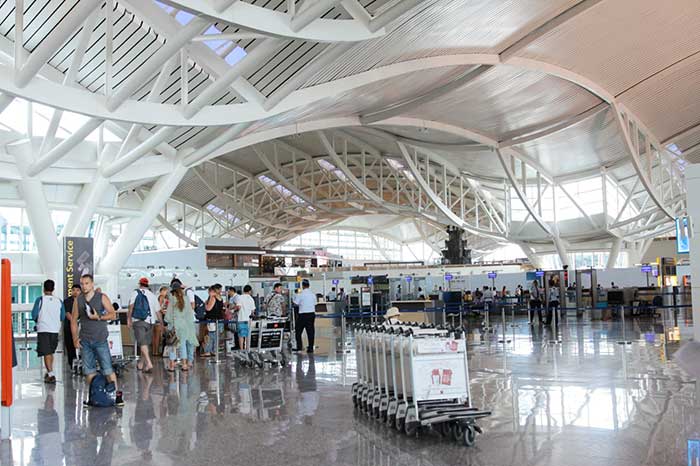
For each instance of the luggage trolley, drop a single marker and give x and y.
(116, 350)
(267, 342)
(414, 376)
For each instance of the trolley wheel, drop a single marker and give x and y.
(443, 429)
(411, 429)
(400, 424)
(469, 436)
(457, 431)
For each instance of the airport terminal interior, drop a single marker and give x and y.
(349, 232)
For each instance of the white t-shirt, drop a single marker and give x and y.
(234, 300)
(247, 304)
(152, 303)
(306, 300)
(49, 315)
(189, 292)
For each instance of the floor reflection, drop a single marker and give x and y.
(588, 400)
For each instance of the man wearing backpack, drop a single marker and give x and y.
(143, 306)
(48, 313)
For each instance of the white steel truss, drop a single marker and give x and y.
(185, 105)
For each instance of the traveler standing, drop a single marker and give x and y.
(157, 346)
(143, 306)
(535, 302)
(67, 335)
(48, 313)
(553, 300)
(94, 310)
(180, 316)
(275, 305)
(232, 299)
(306, 301)
(215, 312)
(488, 299)
(245, 308)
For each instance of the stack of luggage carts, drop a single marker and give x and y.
(414, 377)
(269, 342)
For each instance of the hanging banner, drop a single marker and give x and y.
(78, 260)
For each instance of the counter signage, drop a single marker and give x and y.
(370, 280)
(646, 269)
(409, 279)
(492, 275)
(335, 281)
(448, 277)
(77, 261)
(538, 273)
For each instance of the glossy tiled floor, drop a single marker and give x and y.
(588, 401)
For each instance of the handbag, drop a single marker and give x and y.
(171, 338)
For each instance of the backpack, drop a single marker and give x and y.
(200, 310)
(142, 310)
(102, 393)
(37, 310)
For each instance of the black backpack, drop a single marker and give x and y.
(102, 392)
(200, 310)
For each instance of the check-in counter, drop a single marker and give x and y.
(327, 328)
(414, 310)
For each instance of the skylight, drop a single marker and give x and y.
(326, 165)
(395, 164)
(215, 209)
(14, 118)
(281, 189)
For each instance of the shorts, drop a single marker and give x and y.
(46, 343)
(143, 332)
(94, 352)
(243, 330)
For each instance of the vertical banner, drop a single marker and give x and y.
(78, 260)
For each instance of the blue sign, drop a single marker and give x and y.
(448, 277)
(539, 273)
(335, 281)
(646, 269)
(409, 279)
(492, 275)
(370, 280)
(682, 235)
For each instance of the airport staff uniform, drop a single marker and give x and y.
(306, 300)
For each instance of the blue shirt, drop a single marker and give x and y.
(306, 301)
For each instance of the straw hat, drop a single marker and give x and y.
(391, 312)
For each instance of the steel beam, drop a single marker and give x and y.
(62, 149)
(53, 41)
(361, 187)
(523, 198)
(435, 199)
(137, 227)
(311, 10)
(632, 141)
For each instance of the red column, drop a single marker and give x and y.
(6, 335)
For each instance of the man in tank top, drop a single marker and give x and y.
(94, 310)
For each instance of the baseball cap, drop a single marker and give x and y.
(143, 281)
